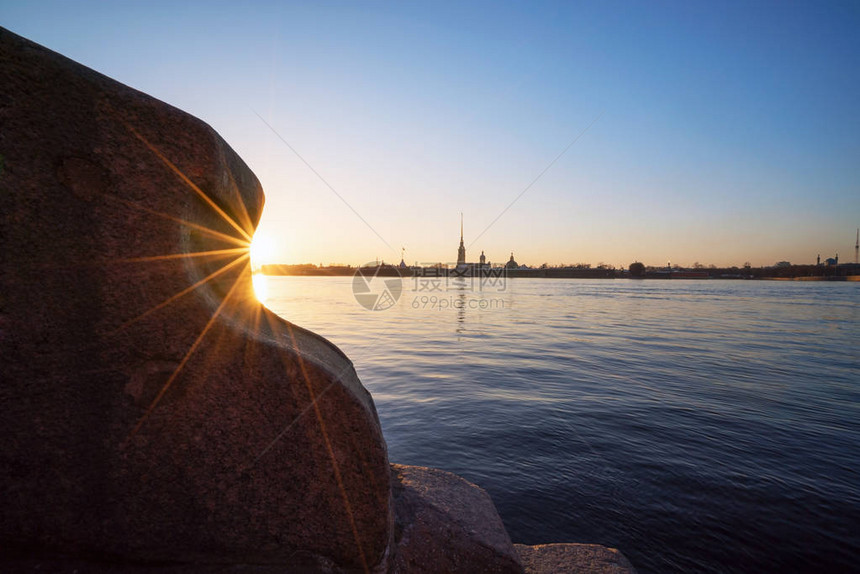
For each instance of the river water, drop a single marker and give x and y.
(698, 426)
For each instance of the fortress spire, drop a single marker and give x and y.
(461, 251)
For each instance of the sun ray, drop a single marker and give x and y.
(216, 252)
(188, 182)
(185, 291)
(186, 223)
(314, 403)
(242, 209)
(291, 424)
(185, 360)
(255, 321)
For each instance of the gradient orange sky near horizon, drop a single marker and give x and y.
(705, 133)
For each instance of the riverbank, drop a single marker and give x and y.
(842, 272)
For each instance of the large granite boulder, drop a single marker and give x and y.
(152, 410)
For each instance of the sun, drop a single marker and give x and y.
(263, 249)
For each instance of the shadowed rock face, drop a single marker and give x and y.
(145, 418)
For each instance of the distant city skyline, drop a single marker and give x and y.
(463, 257)
(600, 132)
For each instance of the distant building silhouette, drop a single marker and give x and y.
(461, 251)
(462, 264)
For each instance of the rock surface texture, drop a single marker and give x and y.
(573, 559)
(149, 414)
(447, 524)
(155, 417)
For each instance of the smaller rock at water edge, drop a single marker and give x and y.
(573, 559)
(447, 524)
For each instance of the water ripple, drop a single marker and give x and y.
(700, 426)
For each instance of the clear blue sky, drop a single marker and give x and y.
(724, 132)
